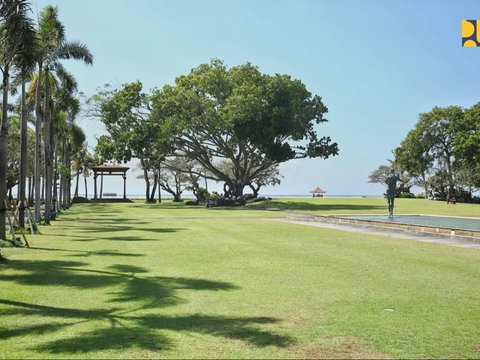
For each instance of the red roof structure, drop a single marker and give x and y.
(317, 192)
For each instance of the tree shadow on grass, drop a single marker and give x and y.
(123, 331)
(147, 333)
(111, 220)
(86, 253)
(116, 228)
(120, 327)
(95, 233)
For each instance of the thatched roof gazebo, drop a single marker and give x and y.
(317, 192)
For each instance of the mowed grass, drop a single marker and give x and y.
(324, 206)
(168, 281)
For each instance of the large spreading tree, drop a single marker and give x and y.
(442, 152)
(238, 122)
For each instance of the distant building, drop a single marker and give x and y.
(317, 192)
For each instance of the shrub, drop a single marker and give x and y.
(202, 195)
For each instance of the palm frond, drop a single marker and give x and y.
(16, 28)
(68, 83)
(51, 31)
(77, 136)
(75, 50)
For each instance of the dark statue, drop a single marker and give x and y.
(391, 182)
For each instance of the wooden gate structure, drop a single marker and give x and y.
(110, 170)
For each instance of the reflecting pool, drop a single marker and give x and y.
(422, 220)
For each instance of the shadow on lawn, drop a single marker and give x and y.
(117, 326)
(83, 253)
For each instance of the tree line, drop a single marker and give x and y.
(232, 125)
(39, 90)
(441, 155)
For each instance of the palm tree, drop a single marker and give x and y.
(53, 47)
(76, 140)
(15, 28)
(26, 64)
(67, 104)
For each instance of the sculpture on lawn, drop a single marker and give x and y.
(391, 182)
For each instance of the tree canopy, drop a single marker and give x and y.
(236, 124)
(442, 151)
(243, 118)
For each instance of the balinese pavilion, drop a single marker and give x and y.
(109, 170)
(317, 192)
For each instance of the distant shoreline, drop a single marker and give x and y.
(168, 196)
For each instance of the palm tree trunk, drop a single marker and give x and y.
(86, 190)
(75, 194)
(63, 179)
(23, 159)
(38, 142)
(68, 185)
(54, 169)
(43, 189)
(47, 146)
(31, 190)
(3, 156)
(55, 181)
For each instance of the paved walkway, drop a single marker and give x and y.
(394, 233)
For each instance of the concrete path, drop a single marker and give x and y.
(394, 233)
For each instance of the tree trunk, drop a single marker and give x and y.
(30, 192)
(54, 182)
(23, 159)
(238, 189)
(255, 190)
(154, 187)
(159, 188)
(48, 151)
(68, 176)
(147, 184)
(3, 179)
(86, 189)
(38, 142)
(63, 180)
(75, 194)
(3, 156)
(425, 186)
(206, 182)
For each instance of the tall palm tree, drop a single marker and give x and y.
(25, 62)
(75, 141)
(53, 47)
(14, 27)
(67, 104)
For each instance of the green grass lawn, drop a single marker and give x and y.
(323, 206)
(150, 281)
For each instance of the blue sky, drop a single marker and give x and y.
(376, 64)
